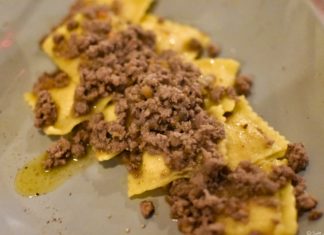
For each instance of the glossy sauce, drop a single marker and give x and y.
(33, 180)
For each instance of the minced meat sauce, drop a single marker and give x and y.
(159, 107)
(216, 190)
(147, 208)
(45, 109)
(158, 99)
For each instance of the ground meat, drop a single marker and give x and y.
(58, 38)
(213, 50)
(96, 11)
(107, 136)
(120, 58)
(80, 140)
(315, 215)
(304, 201)
(89, 9)
(74, 46)
(282, 175)
(45, 110)
(298, 161)
(133, 162)
(100, 28)
(72, 25)
(46, 81)
(161, 20)
(77, 6)
(216, 190)
(66, 148)
(216, 94)
(243, 85)
(58, 154)
(147, 208)
(159, 93)
(297, 157)
(81, 107)
(95, 27)
(196, 46)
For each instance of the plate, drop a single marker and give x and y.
(280, 43)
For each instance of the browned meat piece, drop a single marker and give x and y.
(196, 46)
(58, 154)
(315, 215)
(218, 93)
(213, 50)
(147, 208)
(45, 110)
(47, 81)
(297, 157)
(80, 142)
(243, 85)
(65, 148)
(109, 137)
(72, 25)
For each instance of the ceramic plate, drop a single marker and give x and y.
(280, 43)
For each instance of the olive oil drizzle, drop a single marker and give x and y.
(33, 180)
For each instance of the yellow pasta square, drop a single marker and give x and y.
(249, 137)
(174, 36)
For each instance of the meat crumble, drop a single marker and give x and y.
(315, 215)
(213, 50)
(58, 154)
(94, 30)
(45, 110)
(47, 81)
(195, 46)
(243, 85)
(108, 137)
(66, 148)
(297, 157)
(147, 208)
